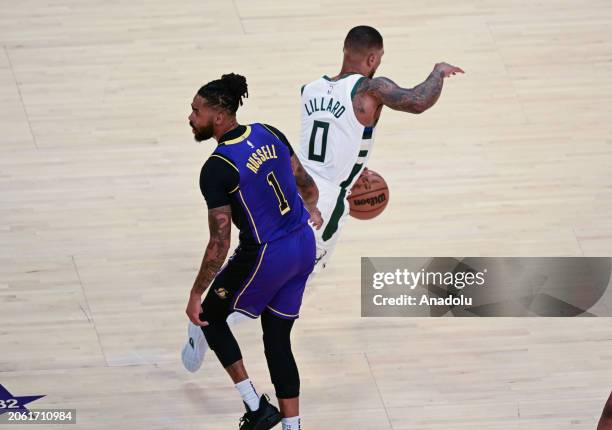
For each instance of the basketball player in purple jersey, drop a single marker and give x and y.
(254, 179)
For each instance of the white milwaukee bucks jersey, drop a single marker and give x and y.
(334, 145)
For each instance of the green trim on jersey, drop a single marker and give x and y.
(332, 225)
(327, 78)
(356, 86)
(356, 168)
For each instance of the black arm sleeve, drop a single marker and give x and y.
(276, 132)
(217, 179)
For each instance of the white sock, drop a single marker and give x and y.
(293, 423)
(248, 393)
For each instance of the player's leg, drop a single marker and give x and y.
(194, 350)
(216, 307)
(277, 322)
(282, 366)
(335, 211)
(221, 340)
(605, 423)
(325, 250)
(328, 200)
(260, 413)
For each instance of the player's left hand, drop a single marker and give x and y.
(315, 217)
(194, 307)
(448, 70)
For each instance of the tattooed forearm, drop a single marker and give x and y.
(220, 224)
(306, 185)
(414, 100)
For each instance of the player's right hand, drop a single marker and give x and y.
(315, 217)
(448, 69)
(194, 307)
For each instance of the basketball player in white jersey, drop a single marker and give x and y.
(339, 116)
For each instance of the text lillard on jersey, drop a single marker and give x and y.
(316, 105)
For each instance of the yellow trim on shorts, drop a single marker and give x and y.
(238, 139)
(227, 161)
(235, 189)
(250, 216)
(249, 283)
(280, 313)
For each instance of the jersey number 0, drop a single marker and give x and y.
(316, 152)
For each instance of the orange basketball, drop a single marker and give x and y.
(369, 196)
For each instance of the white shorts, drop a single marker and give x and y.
(334, 209)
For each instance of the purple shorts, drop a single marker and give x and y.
(271, 277)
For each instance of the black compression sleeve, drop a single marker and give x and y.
(217, 180)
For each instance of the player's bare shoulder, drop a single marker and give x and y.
(366, 104)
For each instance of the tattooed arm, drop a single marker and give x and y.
(308, 190)
(220, 224)
(306, 185)
(413, 100)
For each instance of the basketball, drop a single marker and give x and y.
(369, 196)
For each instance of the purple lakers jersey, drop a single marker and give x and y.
(265, 201)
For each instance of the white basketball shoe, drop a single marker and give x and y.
(195, 349)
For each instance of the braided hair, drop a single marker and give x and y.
(225, 93)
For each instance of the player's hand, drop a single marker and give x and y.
(315, 217)
(194, 307)
(448, 69)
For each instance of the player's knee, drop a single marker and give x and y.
(276, 334)
(221, 340)
(214, 333)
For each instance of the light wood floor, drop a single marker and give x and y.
(102, 226)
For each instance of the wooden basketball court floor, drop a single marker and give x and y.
(102, 226)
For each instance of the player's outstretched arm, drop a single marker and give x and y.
(220, 225)
(308, 190)
(413, 100)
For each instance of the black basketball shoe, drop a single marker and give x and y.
(264, 418)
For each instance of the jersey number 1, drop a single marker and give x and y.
(283, 204)
(313, 154)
